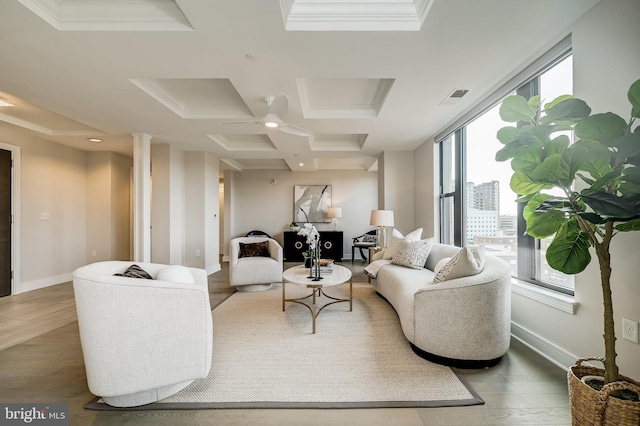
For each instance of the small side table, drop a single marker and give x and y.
(372, 251)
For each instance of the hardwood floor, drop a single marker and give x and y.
(41, 361)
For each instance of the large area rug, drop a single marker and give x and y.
(266, 358)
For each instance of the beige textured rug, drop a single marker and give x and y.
(266, 358)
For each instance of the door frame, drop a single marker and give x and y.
(15, 213)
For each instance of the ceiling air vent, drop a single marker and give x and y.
(454, 96)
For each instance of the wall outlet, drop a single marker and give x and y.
(93, 253)
(197, 253)
(630, 330)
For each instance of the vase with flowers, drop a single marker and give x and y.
(312, 255)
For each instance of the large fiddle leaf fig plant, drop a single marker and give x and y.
(598, 177)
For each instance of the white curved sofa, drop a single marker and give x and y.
(142, 340)
(257, 272)
(463, 322)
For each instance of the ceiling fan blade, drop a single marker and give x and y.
(294, 130)
(279, 104)
(241, 122)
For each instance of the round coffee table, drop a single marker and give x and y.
(299, 275)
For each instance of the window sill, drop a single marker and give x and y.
(548, 297)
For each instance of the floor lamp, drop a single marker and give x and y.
(334, 213)
(382, 219)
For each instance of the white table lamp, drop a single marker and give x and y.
(382, 219)
(334, 213)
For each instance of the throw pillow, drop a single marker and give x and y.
(175, 274)
(413, 254)
(468, 261)
(254, 249)
(397, 238)
(369, 238)
(134, 271)
(440, 264)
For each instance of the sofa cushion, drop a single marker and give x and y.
(397, 238)
(260, 249)
(175, 274)
(134, 271)
(413, 254)
(468, 261)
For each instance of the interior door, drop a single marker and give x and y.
(5, 222)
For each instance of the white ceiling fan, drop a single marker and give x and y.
(278, 105)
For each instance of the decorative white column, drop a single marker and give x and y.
(142, 197)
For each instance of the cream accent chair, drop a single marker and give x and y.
(254, 273)
(142, 340)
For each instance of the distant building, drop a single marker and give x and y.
(483, 210)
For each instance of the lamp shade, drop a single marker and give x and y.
(381, 217)
(334, 212)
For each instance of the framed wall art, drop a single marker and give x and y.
(311, 202)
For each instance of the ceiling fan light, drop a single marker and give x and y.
(272, 124)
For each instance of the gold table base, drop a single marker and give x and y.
(316, 292)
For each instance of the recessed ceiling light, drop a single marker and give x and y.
(301, 164)
(271, 124)
(94, 140)
(5, 103)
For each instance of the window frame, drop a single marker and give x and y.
(528, 263)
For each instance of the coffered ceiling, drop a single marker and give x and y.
(362, 76)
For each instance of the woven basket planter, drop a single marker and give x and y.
(598, 408)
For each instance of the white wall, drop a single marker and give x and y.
(108, 206)
(258, 204)
(397, 188)
(53, 181)
(426, 199)
(201, 211)
(167, 204)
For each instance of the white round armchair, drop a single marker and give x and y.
(255, 263)
(143, 339)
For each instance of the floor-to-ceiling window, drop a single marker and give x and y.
(477, 204)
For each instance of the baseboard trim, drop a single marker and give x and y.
(550, 351)
(43, 283)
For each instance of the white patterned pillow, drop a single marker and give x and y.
(397, 238)
(413, 254)
(440, 264)
(468, 261)
(369, 238)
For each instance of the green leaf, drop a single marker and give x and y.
(569, 251)
(521, 184)
(527, 159)
(508, 134)
(632, 174)
(533, 204)
(604, 128)
(526, 138)
(557, 145)
(552, 171)
(608, 205)
(628, 145)
(544, 224)
(634, 97)
(592, 217)
(585, 179)
(632, 225)
(610, 178)
(571, 109)
(588, 156)
(515, 108)
(557, 100)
